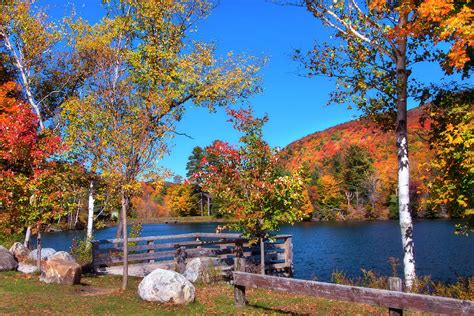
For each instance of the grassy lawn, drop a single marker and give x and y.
(22, 294)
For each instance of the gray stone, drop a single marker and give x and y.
(165, 286)
(19, 251)
(7, 261)
(27, 268)
(45, 253)
(198, 269)
(60, 271)
(62, 255)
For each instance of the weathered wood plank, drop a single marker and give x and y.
(386, 298)
(219, 246)
(148, 238)
(395, 284)
(289, 254)
(185, 236)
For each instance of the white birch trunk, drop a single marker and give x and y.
(26, 243)
(90, 217)
(19, 64)
(406, 224)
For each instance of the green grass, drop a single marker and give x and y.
(21, 294)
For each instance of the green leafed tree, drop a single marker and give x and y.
(141, 72)
(450, 180)
(194, 161)
(248, 182)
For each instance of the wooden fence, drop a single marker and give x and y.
(222, 248)
(394, 300)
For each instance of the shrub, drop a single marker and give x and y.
(81, 250)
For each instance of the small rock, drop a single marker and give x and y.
(60, 271)
(45, 253)
(198, 270)
(7, 261)
(165, 286)
(62, 255)
(19, 251)
(27, 268)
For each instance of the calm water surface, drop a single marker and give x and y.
(321, 248)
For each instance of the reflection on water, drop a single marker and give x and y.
(321, 248)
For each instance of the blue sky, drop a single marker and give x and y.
(296, 105)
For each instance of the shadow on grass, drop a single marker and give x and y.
(272, 310)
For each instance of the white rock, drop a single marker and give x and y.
(19, 251)
(62, 255)
(7, 261)
(197, 270)
(27, 268)
(45, 253)
(165, 286)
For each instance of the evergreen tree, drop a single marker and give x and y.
(194, 161)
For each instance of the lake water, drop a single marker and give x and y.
(321, 248)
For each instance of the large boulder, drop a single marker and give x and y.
(165, 286)
(62, 255)
(198, 269)
(60, 271)
(7, 261)
(19, 251)
(45, 253)
(27, 268)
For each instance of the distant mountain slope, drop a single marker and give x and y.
(315, 149)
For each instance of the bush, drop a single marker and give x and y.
(462, 289)
(6, 240)
(81, 250)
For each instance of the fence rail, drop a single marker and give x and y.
(222, 248)
(395, 301)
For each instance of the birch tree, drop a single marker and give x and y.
(30, 42)
(375, 46)
(143, 73)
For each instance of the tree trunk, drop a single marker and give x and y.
(118, 233)
(38, 248)
(77, 216)
(208, 205)
(19, 64)
(202, 206)
(26, 243)
(90, 217)
(125, 240)
(262, 256)
(406, 225)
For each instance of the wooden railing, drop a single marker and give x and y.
(222, 248)
(395, 301)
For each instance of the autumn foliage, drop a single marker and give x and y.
(321, 151)
(247, 180)
(25, 168)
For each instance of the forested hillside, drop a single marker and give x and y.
(353, 168)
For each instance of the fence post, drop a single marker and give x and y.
(239, 291)
(95, 251)
(198, 240)
(180, 257)
(150, 243)
(239, 265)
(289, 255)
(395, 284)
